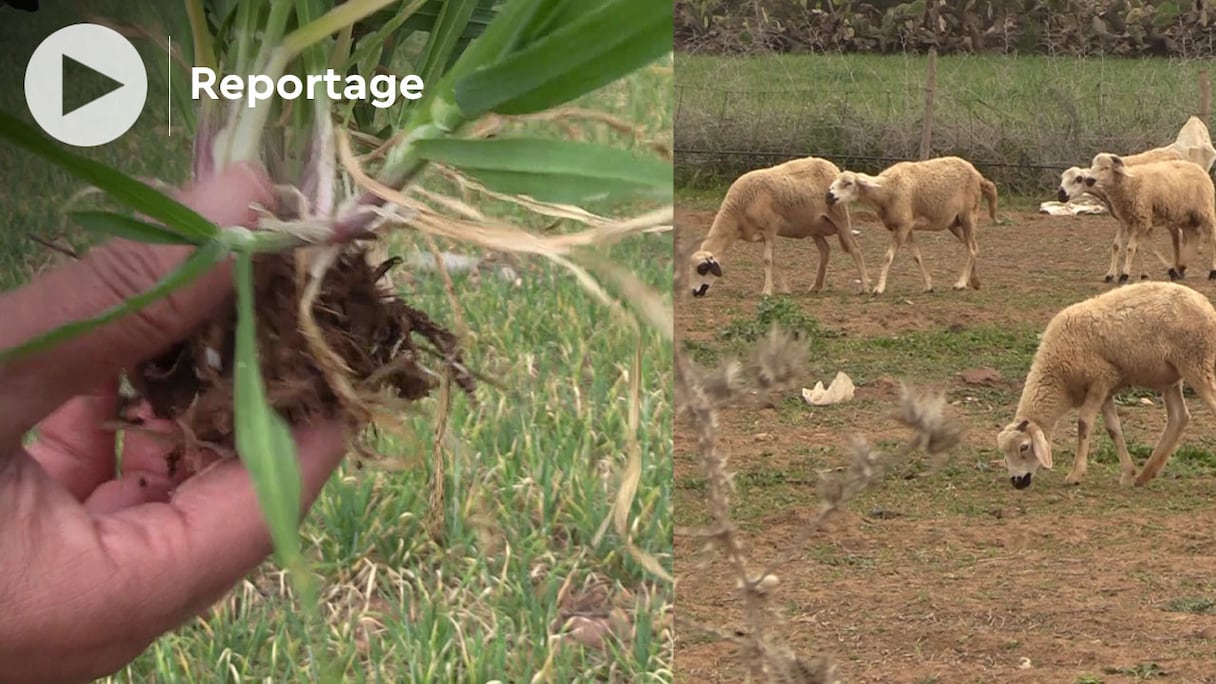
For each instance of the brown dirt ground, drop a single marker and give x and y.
(967, 580)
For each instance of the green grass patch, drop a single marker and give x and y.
(1192, 604)
(782, 311)
(860, 110)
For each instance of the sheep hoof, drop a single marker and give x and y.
(1127, 479)
(1143, 276)
(1211, 275)
(1175, 275)
(1109, 278)
(1073, 479)
(1123, 279)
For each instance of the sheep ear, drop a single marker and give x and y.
(869, 181)
(1116, 160)
(1042, 448)
(1023, 425)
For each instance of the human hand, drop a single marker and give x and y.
(93, 568)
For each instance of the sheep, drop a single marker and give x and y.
(786, 200)
(1179, 194)
(1072, 181)
(1097, 347)
(1072, 186)
(938, 194)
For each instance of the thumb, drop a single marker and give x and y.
(34, 386)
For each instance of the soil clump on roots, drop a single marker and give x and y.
(376, 342)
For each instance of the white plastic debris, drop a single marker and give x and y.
(839, 391)
(454, 263)
(1075, 207)
(1195, 143)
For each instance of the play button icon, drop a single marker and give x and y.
(86, 85)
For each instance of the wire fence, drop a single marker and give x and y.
(1021, 122)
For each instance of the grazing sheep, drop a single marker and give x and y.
(938, 194)
(786, 200)
(1093, 349)
(1178, 194)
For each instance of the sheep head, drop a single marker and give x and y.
(848, 186)
(1107, 169)
(1026, 448)
(1073, 184)
(702, 269)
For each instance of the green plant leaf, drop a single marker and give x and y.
(599, 47)
(478, 20)
(448, 28)
(553, 170)
(128, 227)
(207, 256)
(141, 197)
(263, 439)
(499, 39)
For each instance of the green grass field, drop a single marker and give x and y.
(1033, 111)
(530, 473)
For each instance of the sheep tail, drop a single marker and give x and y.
(989, 190)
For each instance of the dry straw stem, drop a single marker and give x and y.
(494, 235)
(436, 521)
(775, 364)
(649, 306)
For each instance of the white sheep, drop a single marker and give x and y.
(1073, 185)
(1178, 194)
(937, 194)
(1153, 335)
(786, 200)
(1072, 181)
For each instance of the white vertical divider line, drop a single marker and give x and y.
(169, 90)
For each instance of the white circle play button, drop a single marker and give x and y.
(85, 51)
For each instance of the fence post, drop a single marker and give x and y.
(1205, 96)
(926, 133)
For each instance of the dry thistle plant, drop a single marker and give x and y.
(777, 363)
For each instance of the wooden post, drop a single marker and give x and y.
(1205, 96)
(926, 133)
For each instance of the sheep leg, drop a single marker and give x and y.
(1129, 255)
(1110, 416)
(768, 267)
(1210, 231)
(1087, 416)
(1176, 418)
(897, 238)
(1116, 249)
(849, 244)
(924, 272)
(1181, 247)
(824, 251)
(1203, 380)
(965, 232)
